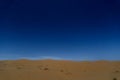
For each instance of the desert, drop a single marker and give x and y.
(59, 70)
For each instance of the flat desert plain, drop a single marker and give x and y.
(59, 70)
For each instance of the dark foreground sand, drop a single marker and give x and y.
(59, 70)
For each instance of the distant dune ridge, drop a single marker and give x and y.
(59, 70)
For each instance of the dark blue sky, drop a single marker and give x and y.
(60, 29)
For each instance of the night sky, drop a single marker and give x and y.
(60, 29)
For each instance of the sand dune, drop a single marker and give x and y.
(59, 70)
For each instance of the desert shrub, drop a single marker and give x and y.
(45, 68)
(19, 67)
(116, 71)
(114, 78)
(61, 70)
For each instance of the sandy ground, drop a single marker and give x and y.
(59, 70)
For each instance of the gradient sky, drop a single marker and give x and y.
(60, 29)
